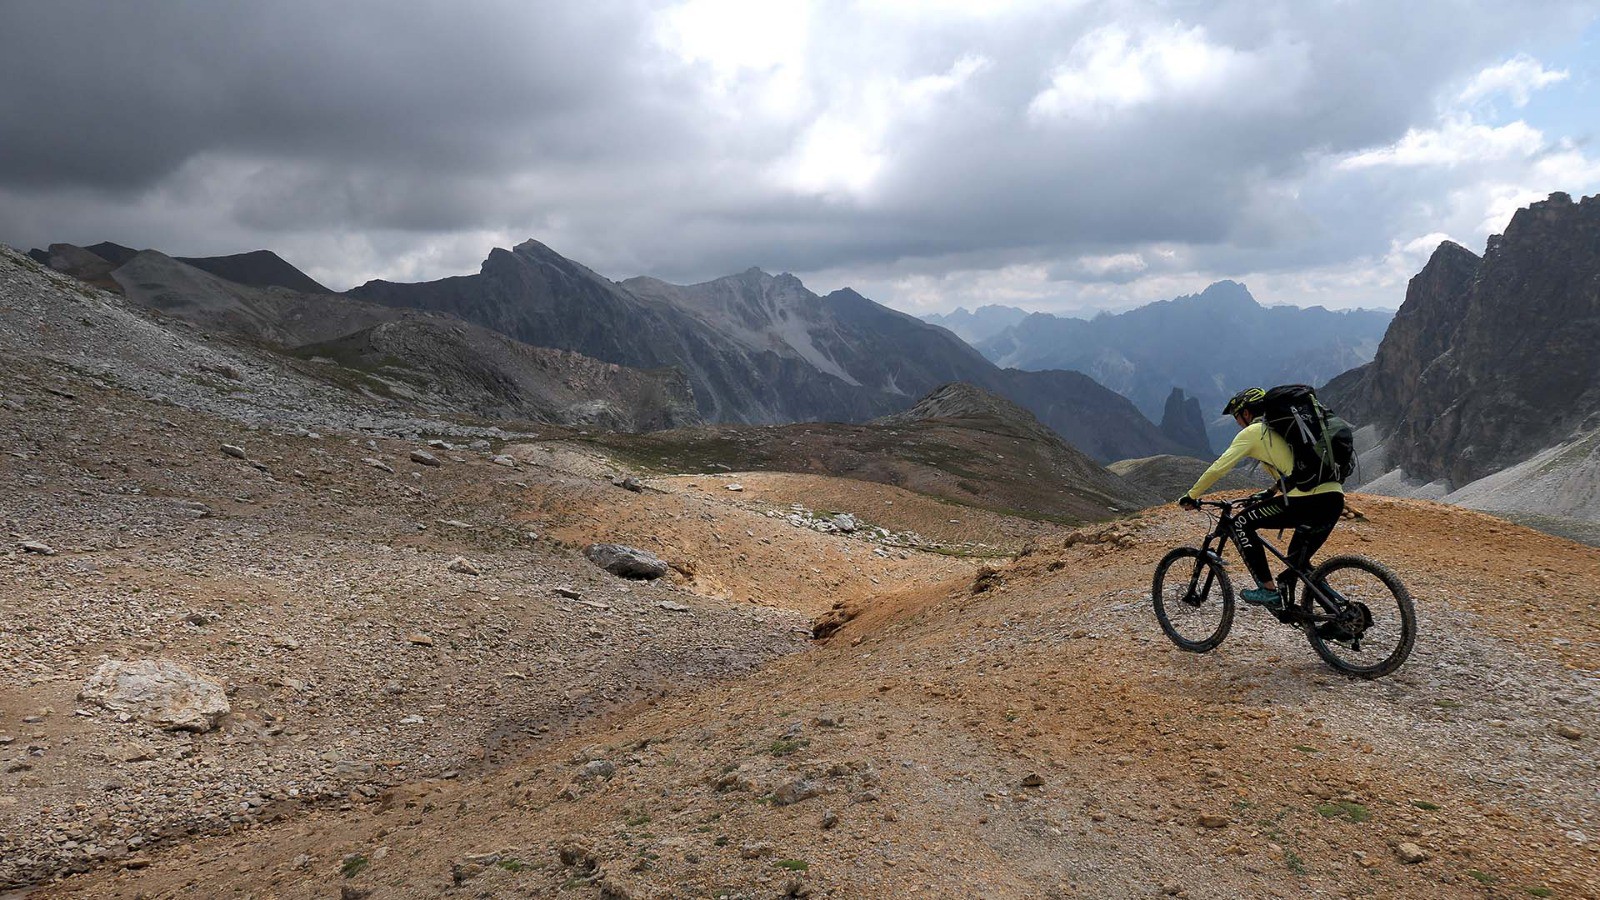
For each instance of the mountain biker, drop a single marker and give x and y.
(1311, 513)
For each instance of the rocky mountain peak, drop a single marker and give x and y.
(1183, 421)
(1491, 360)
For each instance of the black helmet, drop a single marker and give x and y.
(1249, 398)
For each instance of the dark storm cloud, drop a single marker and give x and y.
(364, 131)
(119, 94)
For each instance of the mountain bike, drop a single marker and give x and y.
(1356, 613)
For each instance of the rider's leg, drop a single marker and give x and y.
(1269, 515)
(1316, 515)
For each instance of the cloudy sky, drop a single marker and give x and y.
(929, 153)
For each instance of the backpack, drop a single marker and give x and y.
(1323, 444)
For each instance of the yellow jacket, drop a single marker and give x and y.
(1257, 441)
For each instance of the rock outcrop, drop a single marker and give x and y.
(163, 692)
(1183, 422)
(1490, 361)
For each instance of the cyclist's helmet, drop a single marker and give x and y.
(1249, 398)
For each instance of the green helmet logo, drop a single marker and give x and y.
(1248, 398)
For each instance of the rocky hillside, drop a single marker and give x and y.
(1209, 344)
(759, 348)
(1170, 477)
(960, 444)
(444, 364)
(434, 366)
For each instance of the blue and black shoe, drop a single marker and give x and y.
(1267, 597)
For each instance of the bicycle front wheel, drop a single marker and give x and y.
(1193, 599)
(1373, 633)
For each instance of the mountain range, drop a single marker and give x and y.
(1209, 344)
(748, 348)
(979, 324)
(761, 348)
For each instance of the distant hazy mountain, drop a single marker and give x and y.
(981, 324)
(1485, 390)
(1209, 344)
(761, 348)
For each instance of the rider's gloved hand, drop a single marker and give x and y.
(1188, 502)
(1263, 496)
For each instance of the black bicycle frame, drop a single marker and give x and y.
(1225, 533)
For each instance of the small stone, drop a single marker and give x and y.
(413, 720)
(1213, 820)
(630, 484)
(569, 593)
(465, 566)
(755, 850)
(503, 460)
(1410, 853)
(671, 606)
(1569, 732)
(420, 639)
(736, 487)
(377, 464)
(1171, 888)
(829, 819)
(234, 451)
(424, 458)
(628, 562)
(1033, 780)
(599, 768)
(36, 547)
(795, 791)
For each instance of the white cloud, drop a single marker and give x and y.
(1516, 78)
(1110, 70)
(1456, 141)
(1123, 264)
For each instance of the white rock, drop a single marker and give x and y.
(162, 692)
(424, 458)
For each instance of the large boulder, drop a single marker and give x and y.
(162, 692)
(629, 562)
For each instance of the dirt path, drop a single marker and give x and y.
(1039, 738)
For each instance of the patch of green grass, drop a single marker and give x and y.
(1539, 891)
(793, 865)
(1425, 805)
(1304, 749)
(354, 865)
(1447, 704)
(1293, 862)
(517, 865)
(1344, 809)
(786, 746)
(635, 821)
(1481, 877)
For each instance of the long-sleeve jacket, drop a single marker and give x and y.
(1257, 441)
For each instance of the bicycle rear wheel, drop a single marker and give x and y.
(1375, 631)
(1193, 599)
